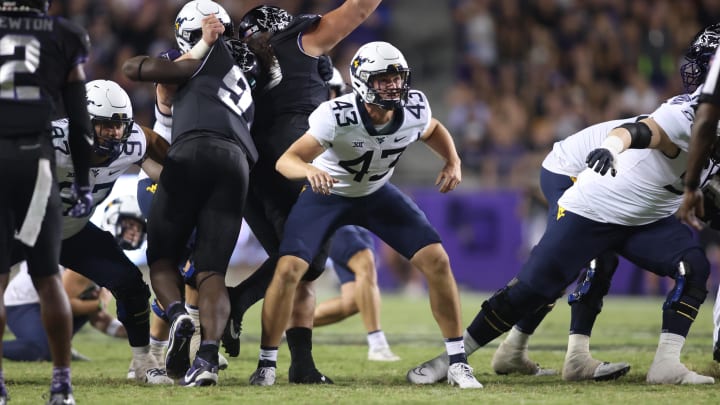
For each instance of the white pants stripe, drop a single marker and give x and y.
(32, 225)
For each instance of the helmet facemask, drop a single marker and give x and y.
(388, 98)
(108, 146)
(130, 232)
(124, 220)
(697, 58)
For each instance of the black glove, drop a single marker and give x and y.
(82, 201)
(325, 67)
(601, 160)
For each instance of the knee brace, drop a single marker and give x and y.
(510, 304)
(690, 280)
(133, 305)
(155, 306)
(594, 282)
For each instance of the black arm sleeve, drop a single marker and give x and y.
(80, 136)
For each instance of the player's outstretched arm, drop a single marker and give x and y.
(160, 70)
(336, 25)
(646, 133)
(439, 140)
(80, 129)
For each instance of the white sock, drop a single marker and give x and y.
(578, 344)
(157, 347)
(140, 350)
(377, 339)
(454, 346)
(194, 313)
(269, 354)
(517, 338)
(470, 344)
(670, 346)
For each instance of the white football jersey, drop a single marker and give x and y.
(361, 161)
(102, 178)
(648, 186)
(163, 127)
(568, 156)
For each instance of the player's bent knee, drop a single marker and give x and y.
(510, 304)
(432, 260)
(690, 285)
(290, 269)
(132, 304)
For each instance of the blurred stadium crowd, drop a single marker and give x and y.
(508, 77)
(515, 75)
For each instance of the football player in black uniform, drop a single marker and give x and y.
(204, 183)
(703, 143)
(43, 56)
(289, 49)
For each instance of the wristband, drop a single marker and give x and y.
(614, 144)
(139, 75)
(199, 50)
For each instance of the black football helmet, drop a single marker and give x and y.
(264, 19)
(697, 57)
(38, 6)
(245, 59)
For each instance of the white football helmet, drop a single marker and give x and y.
(337, 84)
(121, 208)
(376, 58)
(188, 23)
(107, 101)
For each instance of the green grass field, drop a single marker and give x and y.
(627, 330)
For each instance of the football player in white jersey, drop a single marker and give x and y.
(352, 253)
(119, 143)
(702, 140)
(347, 156)
(673, 119)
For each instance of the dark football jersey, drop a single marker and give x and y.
(300, 89)
(217, 99)
(37, 52)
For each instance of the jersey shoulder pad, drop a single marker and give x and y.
(299, 24)
(76, 35)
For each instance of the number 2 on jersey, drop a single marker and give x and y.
(28, 64)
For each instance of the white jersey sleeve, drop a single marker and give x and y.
(361, 157)
(568, 156)
(322, 124)
(675, 116)
(102, 178)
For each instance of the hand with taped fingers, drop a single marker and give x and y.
(320, 181)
